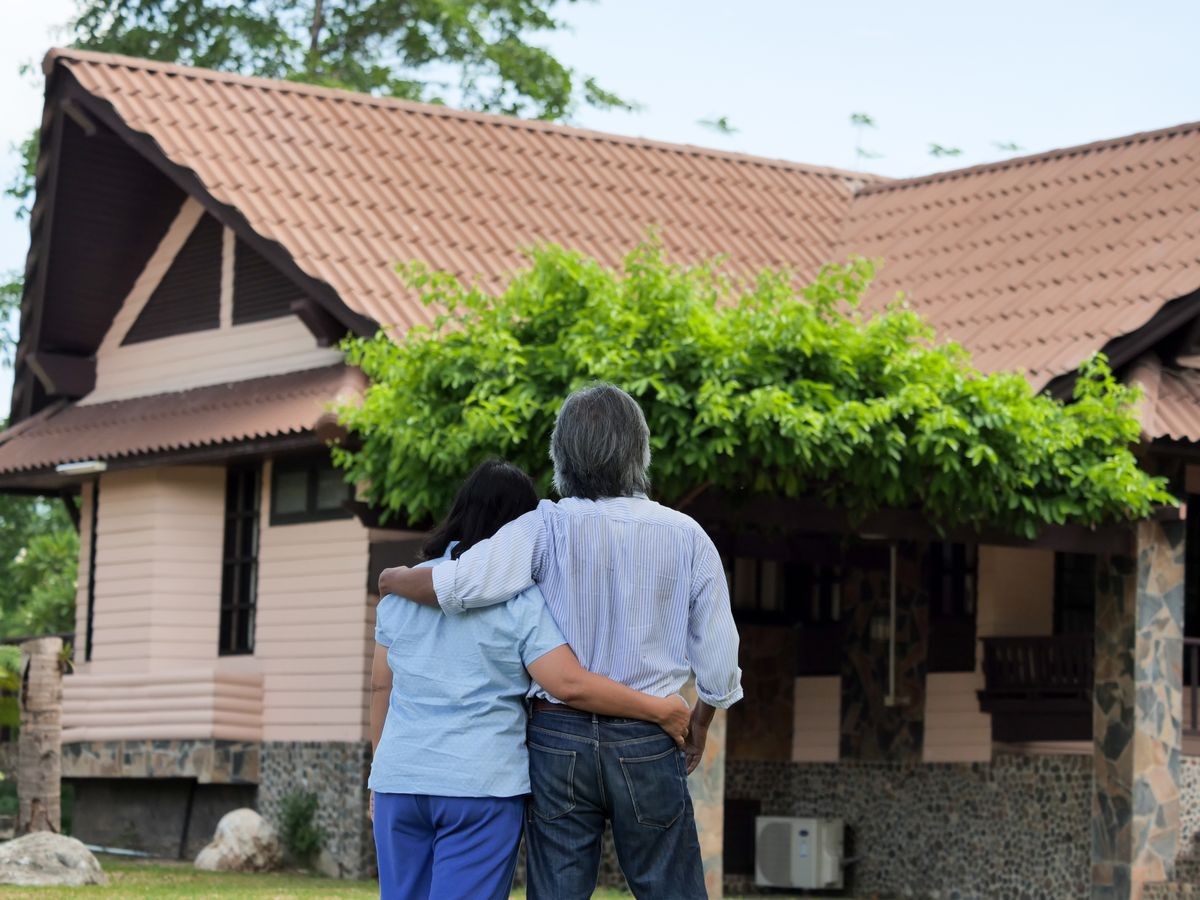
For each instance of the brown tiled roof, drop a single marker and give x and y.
(352, 184)
(1034, 263)
(275, 406)
(1038, 262)
(1171, 404)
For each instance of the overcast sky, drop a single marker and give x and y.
(787, 74)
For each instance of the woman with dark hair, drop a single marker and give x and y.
(450, 772)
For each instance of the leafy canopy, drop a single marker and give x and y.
(745, 386)
(477, 52)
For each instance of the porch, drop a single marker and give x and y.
(970, 707)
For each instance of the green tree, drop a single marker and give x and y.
(745, 385)
(39, 546)
(477, 54)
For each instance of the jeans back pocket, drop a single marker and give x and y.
(657, 787)
(552, 780)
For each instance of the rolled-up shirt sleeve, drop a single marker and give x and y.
(494, 570)
(712, 634)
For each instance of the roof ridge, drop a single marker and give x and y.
(434, 110)
(880, 186)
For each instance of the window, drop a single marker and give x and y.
(90, 630)
(951, 579)
(1074, 593)
(239, 575)
(307, 489)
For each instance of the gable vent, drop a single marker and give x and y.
(189, 296)
(260, 291)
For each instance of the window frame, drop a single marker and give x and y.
(311, 465)
(242, 613)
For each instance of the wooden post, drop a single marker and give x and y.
(39, 759)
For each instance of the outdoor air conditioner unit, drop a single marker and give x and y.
(798, 853)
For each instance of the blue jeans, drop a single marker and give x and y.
(446, 848)
(585, 769)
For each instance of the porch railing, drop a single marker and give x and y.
(1038, 688)
(1053, 666)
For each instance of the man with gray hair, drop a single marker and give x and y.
(640, 595)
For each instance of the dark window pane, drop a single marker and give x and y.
(331, 488)
(291, 492)
(239, 568)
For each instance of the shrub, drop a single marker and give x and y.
(299, 832)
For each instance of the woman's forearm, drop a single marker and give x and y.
(561, 675)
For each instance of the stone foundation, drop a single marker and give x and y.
(1017, 828)
(337, 773)
(207, 761)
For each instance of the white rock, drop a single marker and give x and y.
(244, 842)
(44, 858)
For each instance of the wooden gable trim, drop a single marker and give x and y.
(185, 222)
(41, 221)
(61, 374)
(227, 215)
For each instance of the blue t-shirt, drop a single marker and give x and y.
(455, 725)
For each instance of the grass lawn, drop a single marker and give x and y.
(134, 879)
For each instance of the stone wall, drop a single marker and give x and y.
(1189, 802)
(762, 728)
(336, 771)
(1016, 828)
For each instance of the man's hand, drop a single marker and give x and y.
(674, 717)
(371, 806)
(697, 736)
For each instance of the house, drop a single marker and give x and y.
(991, 717)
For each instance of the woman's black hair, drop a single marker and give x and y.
(491, 496)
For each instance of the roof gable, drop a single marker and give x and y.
(1039, 262)
(1034, 263)
(351, 184)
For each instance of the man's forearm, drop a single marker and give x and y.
(412, 584)
(702, 713)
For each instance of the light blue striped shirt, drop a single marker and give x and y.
(638, 590)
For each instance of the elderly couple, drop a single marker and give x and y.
(598, 608)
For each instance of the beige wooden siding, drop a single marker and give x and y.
(182, 703)
(1016, 592)
(955, 729)
(817, 723)
(155, 672)
(315, 629)
(182, 361)
(158, 568)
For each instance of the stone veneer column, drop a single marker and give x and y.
(1136, 713)
(707, 787)
(871, 729)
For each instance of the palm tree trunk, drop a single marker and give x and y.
(39, 760)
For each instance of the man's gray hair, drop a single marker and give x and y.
(601, 445)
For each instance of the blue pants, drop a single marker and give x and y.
(585, 769)
(446, 848)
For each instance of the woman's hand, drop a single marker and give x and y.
(673, 715)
